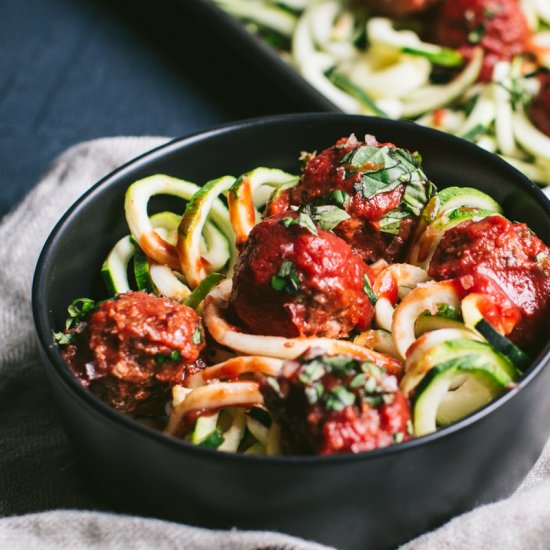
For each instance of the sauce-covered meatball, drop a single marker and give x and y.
(133, 348)
(293, 279)
(334, 404)
(539, 110)
(498, 26)
(380, 187)
(505, 260)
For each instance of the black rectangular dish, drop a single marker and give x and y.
(232, 32)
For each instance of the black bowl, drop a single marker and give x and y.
(376, 499)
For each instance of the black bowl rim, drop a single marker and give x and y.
(102, 409)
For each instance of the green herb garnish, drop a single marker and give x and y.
(196, 338)
(339, 398)
(286, 279)
(303, 220)
(367, 289)
(326, 216)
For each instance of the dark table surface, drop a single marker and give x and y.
(74, 70)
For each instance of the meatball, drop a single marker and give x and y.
(498, 26)
(293, 279)
(399, 8)
(336, 404)
(505, 260)
(134, 348)
(539, 110)
(381, 188)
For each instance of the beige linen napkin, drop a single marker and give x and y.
(48, 503)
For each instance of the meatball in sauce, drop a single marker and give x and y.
(498, 26)
(381, 188)
(506, 261)
(292, 280)
(134, 348)
(334, 404)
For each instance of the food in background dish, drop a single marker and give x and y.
(477, 69)
(248, 325)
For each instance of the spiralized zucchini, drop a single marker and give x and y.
(423, 331)
(365, 65)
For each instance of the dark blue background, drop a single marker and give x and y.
(73, 70)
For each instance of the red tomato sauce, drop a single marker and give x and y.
(505, 260)
(498, 26)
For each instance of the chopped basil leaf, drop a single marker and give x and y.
(358, 381)
(160, 358)
(311, 372)
(446, 311)
(340, 365)
(196, 338)
(214, 439)
(63, 339)
(338, 197)
(80, 307)
(303, 220)
(314, 393)
(175, 355)
(385, 168)
(339, 398)
(326, 216)
(367, 289)
(391, 222)
(286, 279)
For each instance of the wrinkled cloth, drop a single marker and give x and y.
(45, 499)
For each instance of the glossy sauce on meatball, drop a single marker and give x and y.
(505, 260)
(293, 281)
(134, 348)
(498, 26)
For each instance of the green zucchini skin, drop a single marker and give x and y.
(438, 400)
(518, 357)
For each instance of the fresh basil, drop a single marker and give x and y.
(367, 289)
(286, 279)
(326, 216)
(339, 398)
(391, 222)
(303, 220)
(196, 338)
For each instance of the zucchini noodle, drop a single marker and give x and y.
(363, 64)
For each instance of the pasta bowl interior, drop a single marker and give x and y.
(413, 477)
